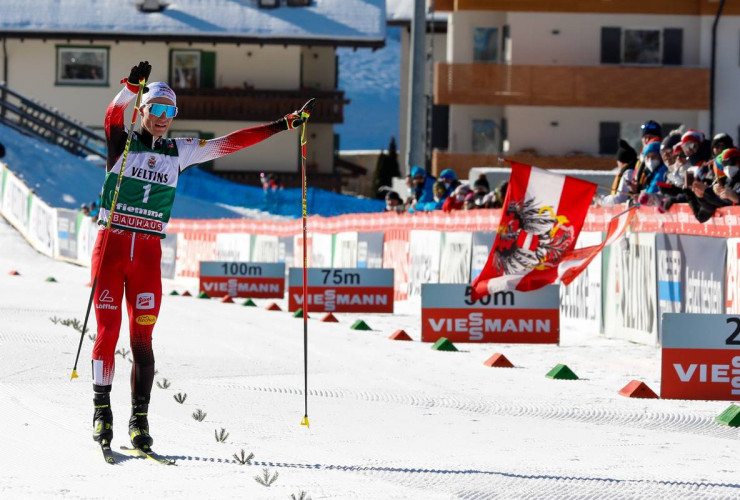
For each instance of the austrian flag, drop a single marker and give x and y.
(542, 216)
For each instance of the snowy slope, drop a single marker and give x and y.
(388, 419)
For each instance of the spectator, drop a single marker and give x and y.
(469, 203)
(481, 186)
(393, 202)
(621, 189)
(673, 187)
(457, 199)
(651, 131)
(655, 169)
(500, 194)
(440, 194)
(699, 151)
(85, 209)
(704, 201)
(449, 177)
(422, 184)
(666, 148)
(720, 142)
(270, 186)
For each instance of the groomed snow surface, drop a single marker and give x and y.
(388, 419)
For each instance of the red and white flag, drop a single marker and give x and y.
(578, 260)
(542, 216)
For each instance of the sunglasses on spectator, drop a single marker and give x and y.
(167, 110)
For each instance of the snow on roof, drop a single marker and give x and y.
(337, 20)
(403, 11)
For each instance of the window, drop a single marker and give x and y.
(641, 47)
(484, 136)
(185, 69)
(82, 65)
(485, 45)
(608, 137)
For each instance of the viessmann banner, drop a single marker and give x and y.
(508, 317)
(701, 357)
(243, 279)
(342, 290)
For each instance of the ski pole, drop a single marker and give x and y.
(305, 114)
(142, 82)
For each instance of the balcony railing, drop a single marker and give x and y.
(461, 163)
(572, 86)
(257, 105)
(685, 7)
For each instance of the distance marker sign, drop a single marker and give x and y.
(508, 317)
(342, 290)
(243, 279)
(701, 357)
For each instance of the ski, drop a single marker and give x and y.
(107, 452)
(149, 455)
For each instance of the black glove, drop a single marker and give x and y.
(142, 70)
(296, 118)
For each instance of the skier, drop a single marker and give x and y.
(131, 263)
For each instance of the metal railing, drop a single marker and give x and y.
(31, 117)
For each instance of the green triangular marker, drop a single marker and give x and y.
(174, 292)
(562, 372)
(203, 295)
(298, 313)
(51, 279)
(731, 416)
(444, 344)
(250, 303)
(360, 325)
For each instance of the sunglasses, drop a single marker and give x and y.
(167, 110)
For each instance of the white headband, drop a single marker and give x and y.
(159, 89)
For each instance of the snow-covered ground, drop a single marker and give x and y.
(388, 419)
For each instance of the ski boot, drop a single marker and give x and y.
(102, 418)
(138, 424)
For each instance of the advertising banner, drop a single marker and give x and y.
(732, 291)
(630, 308)
(233, 247)
(455, 261)
(345, 249)
(42, 227)
(320, 250)
(192, 249)
(370, 250)
(342, 290)
(169, 255)
(265, 248)
(243, 279)
(508, 317)
(424, 250)
(16, 200)
(580, 302)
(701, 357)
(396, 257)
(482, 244)
(87, 233)
(67, 233)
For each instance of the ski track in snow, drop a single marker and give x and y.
(389, 419)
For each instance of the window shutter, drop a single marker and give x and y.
(608, 138)
(207, 70)
(611, 45)
(673, 46)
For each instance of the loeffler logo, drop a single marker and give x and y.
(105, 301)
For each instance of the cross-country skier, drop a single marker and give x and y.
(131, 263)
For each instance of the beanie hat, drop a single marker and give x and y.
(723, 139)
(481, 181)
(392, 195)
(651, 127)
(651, 147)
(159, 89)
(448, 174)
(692, 136)
(439, 186)
(418, 172)
(626, 153)
(729, 154)
(670, 141)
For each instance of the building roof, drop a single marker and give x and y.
(328, 22)
(401, 12)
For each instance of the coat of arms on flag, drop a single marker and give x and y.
(542, 216)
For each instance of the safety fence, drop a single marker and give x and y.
(666, 262)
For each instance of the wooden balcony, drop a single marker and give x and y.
(675, 7)
(572, 86)
(257, 105)
(461, 163)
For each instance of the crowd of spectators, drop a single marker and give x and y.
(92, 209)
(446, 193)
(682, 166)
